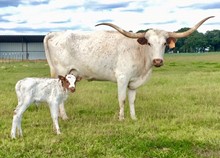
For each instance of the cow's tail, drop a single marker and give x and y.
(48, 54)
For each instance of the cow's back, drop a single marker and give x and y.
(94, 56)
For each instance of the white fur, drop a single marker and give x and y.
(48, 90)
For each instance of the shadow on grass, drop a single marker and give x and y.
(163, 147)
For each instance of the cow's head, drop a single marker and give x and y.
(68, 82)
(157, 40)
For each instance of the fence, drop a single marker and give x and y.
(6, 57)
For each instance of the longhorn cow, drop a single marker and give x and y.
(110, 56)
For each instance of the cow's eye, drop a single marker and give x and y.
(165, 43)
(148, 44)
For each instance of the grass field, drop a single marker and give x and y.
(178, 114)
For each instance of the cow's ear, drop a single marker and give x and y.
(171, 42)
(142, 41)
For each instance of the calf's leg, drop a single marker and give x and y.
(62, 112)
(54, 110)
(18, 112)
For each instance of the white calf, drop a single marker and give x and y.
(52, 91)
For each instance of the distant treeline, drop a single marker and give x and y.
(197, 42)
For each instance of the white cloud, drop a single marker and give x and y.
(43, 17)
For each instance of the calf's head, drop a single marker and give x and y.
(68, 82)
(156, 40)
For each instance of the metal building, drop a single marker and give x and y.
(22, 47)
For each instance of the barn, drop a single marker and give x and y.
(21, 47)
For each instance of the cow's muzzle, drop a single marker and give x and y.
(158, 62)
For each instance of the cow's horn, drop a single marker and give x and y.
(73, 71)
(190, 31)
(126, 33)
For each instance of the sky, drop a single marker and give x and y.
(38, 17)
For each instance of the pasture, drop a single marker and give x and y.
(178, 114)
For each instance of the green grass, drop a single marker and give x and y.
(178, 114)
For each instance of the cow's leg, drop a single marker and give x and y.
(131, 99)
(18, 112)
(122, 88)
(62, 112)
(54, 110)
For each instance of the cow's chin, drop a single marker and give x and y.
(72, 89)
(158, 65)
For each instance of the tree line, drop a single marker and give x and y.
(197, 42)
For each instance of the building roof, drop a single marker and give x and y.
(21, 38)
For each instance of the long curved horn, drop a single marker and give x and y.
(126, 33)
(190, 31)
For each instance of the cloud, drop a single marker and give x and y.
(214, 23)
(105, 6)
(139, 10)
(104, 20)
(160, 23)
(3, 18)
(61, 21)
(43, 16)
(7, 3)
(204, 6)
(27, 29)
(34, 2)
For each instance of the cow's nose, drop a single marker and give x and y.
(157, 62)
(72, 89)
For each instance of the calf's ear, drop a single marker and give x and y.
(61, 77)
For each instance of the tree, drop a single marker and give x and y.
(213, 39)
(196, 42)
(140, 31)
(180, 44)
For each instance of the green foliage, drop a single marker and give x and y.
(199, 42)
(213, 39)
(178, 114)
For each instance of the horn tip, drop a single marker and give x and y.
(211, 16)
(101, 24)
